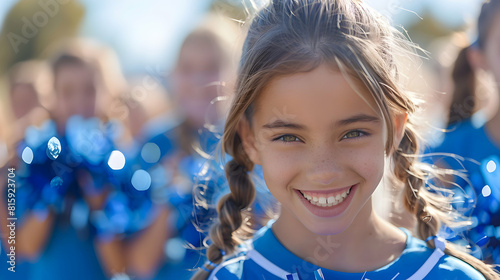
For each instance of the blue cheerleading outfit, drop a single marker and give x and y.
(47, 181)
(172, 187)
(479, 196)
(69, 254)
(21, 270)
(266, 258)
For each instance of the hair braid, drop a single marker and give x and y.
(417, 199)
(428, 207)
(229, 210)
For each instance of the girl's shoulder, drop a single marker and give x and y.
(248, 263)
(451, 267)
(459, 138)
(461, 146)
(436, 264)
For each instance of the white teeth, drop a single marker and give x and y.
(327, 201)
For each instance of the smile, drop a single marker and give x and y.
(326, 199)
(327, 203)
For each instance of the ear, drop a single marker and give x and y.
(400, 124)
(249, 141)
(477, 59)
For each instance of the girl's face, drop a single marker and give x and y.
(24, 98)
(75, 86)
(198, 66)
(321, 147)
(492, 49)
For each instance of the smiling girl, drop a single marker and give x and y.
(320, 106)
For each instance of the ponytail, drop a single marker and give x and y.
(429, 208)
(464, 89)
(225, 234)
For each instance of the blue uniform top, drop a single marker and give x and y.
(479, 159)
(46, 180)
(270, 260)
(468, 140)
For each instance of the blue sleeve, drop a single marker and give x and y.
(454, 268)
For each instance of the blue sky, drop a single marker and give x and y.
(5, 6)
(451, 13)
(123, 25)
(166, 23)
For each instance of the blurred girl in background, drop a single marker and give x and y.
(64, 176)
(196, 84)
(474, 139)
(29, 87)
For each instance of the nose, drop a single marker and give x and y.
(324, 165)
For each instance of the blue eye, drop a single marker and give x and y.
(287, 138)
(354, 134)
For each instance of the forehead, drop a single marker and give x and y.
(199, 50)
(321, 94)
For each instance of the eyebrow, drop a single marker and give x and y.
(358, 118)
(283, 124)
(354, 119)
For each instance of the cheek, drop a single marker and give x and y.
(496, 70)
(209, 93)
(180, 86)
(278, 167)
(184, 87)
(91, 99)
(368, 162)
(493, 57)
(64, 102)
(374, 167)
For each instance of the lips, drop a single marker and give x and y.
(326, 199)
(328, 203)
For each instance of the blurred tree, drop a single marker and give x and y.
(31, 26)
(425, 31)
(236, 9)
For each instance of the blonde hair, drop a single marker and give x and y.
(291, 36)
